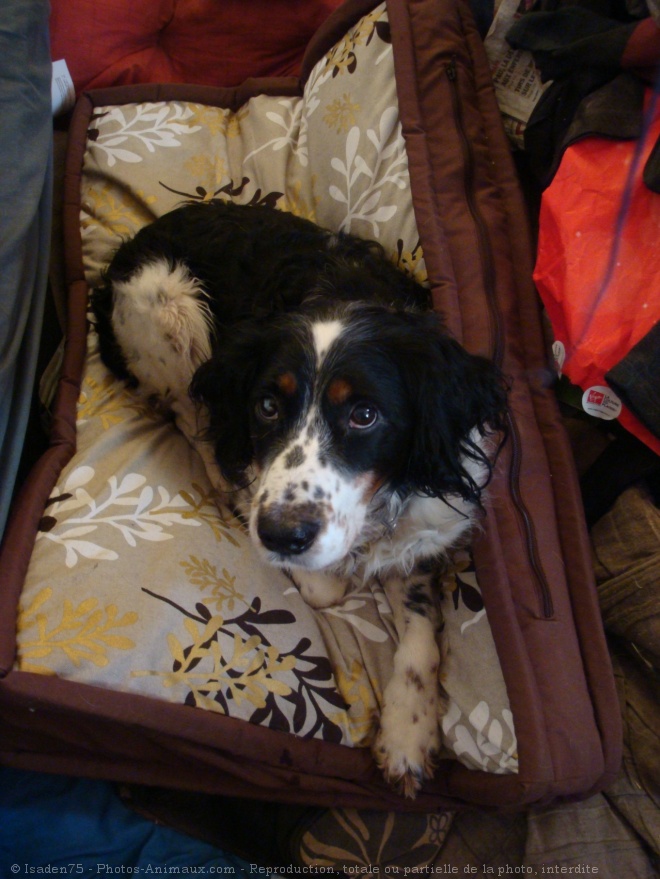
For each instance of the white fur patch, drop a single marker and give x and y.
(427, 528)
(163, 324)
(408, 739)
(324, 334)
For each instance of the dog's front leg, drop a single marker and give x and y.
(320, 589)
(408, 739)
(192, 422)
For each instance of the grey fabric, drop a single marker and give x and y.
(25, 218)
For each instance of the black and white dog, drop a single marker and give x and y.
(321, 390)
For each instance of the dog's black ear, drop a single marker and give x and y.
(224, 385)
(459, 401)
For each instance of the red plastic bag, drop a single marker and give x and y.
(598, 265)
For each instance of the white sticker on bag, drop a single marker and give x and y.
(559, 354)
(601, 402)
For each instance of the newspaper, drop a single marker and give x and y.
(62, 92)
(516, 78)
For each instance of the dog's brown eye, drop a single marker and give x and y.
(267, 408)
(363, 416)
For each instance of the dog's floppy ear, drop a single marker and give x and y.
(224, 384)
(459, 400)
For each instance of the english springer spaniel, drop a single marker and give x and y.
(328, 404)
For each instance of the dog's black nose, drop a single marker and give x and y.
(280, 534)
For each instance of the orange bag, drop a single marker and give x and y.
(598, 264)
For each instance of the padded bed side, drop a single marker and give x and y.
(542, 594)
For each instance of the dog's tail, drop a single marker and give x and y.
(100, 304)
(155, 326)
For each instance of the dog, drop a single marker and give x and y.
(326, 399)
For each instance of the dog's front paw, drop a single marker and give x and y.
(408, 740)
(320, 589)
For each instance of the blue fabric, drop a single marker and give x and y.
(25, 218)
(56, 821)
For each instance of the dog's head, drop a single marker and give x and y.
(325, 412)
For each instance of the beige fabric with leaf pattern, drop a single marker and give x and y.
(137, 583)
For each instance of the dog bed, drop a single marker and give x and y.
(143, 640)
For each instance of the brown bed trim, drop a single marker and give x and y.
(57, 725)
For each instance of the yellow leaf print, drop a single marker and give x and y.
(341, 114)
(121, 216)
(108, 400)
(295, 202)
(176, 650)
(208, 632)
(234, 121)
(342, 56)
(83, 634)
(202, 573)
(362, 696)
(219, 123)
(411, 262)
(213, 677)
(204, 508)
(209, 171)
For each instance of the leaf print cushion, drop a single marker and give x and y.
(138, 582)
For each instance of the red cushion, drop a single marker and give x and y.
(208, 42)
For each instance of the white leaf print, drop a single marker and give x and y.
(130, 482)
(79, 476)
(345, 612)
(290, 121)
(75, 548)
(473, 620)
(480, 740)
(352, 142)
(465, 744)
(122, 156)
(382, 215)
(149, 127)
(277, 119)
(337, 194)
(81, 531)
(127, 507)
(479, 716)
(366, 175)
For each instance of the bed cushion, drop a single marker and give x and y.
(137, 582)
(196, 41)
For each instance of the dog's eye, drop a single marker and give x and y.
(267, 408)
(363, 416)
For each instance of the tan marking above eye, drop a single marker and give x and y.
(369, 483)
(287, 383)
(339, 390)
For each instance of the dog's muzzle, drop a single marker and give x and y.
(289, 531)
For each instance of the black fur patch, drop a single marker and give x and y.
(269, 276)
(418, 600)
(295, 457)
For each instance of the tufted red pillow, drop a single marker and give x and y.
(209, 42)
